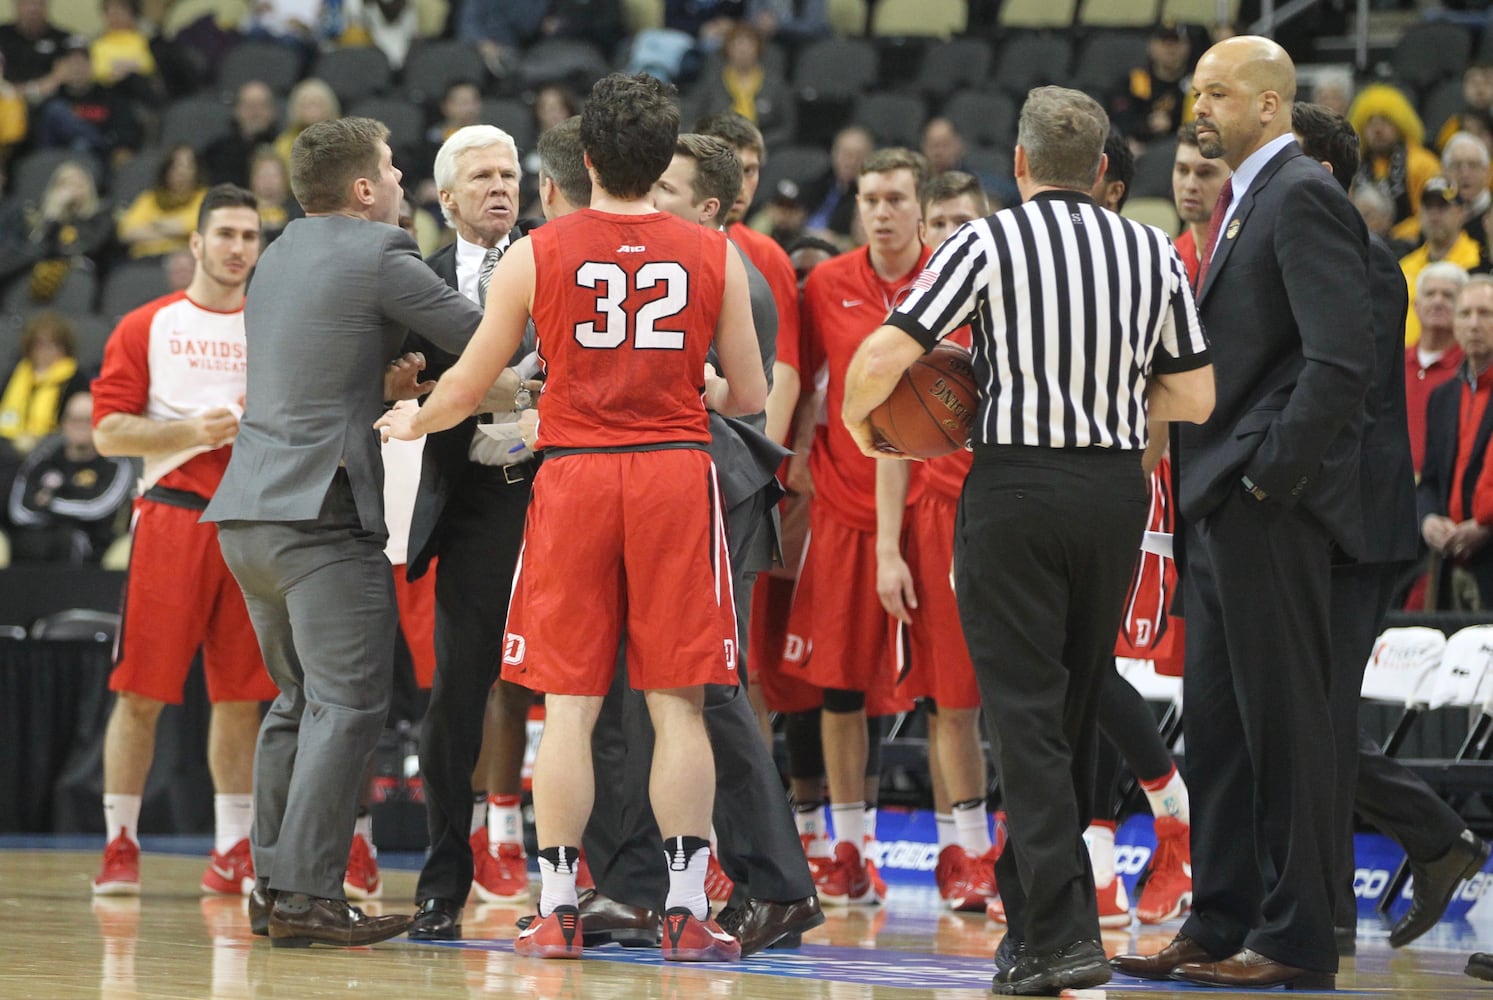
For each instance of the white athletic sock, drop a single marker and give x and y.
(233, 815)
(1168, 796)
(122, 813)
(850, 824)
(974, 827)
(868, 822)
(557, 879)
(1100, 839)
(947, 834)
(505, 821)
(687, 863)
(479, 814)
(809, 818)
(363, 827)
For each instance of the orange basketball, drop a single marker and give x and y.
(931, 410)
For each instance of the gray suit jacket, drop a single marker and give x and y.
(329, 307)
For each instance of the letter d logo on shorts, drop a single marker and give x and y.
(514, 647)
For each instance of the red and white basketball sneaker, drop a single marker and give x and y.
(1168, 889)
(718, 885)
(848, 881)
(230, 873)
(583, 879)
(555, 936)
(501, 875)
(687, 938)
(995, 909)
(1114, 904)
(120, 874)
(361, 881)
(966, 883)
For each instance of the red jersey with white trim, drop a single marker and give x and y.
(1146, 630)
(647, 290)
(946, 475)
(772, 260)
(173, 359)
(844, 300)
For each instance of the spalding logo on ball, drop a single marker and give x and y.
(930, 411)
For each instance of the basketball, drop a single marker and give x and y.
(930, 411)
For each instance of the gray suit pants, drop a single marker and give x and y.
(321, 597)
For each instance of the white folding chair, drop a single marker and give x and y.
(1402, 667)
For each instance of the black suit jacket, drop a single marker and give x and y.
(1388, 474)
(444, 465)
(1286, 303)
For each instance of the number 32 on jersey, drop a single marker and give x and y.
(649, 324)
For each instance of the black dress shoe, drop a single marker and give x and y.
(1250, 970)
(1480, 966)
(1435, 882)
(763, 924)
(260, 902)
(1160, 965)
(1079, 966)
(329, 921)
(437, 920)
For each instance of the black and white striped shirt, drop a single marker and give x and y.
(1072, 308)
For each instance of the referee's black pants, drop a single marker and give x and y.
(1044, 546)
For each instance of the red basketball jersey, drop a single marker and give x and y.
(626, 308)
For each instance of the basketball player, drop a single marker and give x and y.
(171, 390)
(838, 633)
(625, 516)
(912, 580)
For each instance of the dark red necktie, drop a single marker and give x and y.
(1215, 223)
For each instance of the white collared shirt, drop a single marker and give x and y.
(1246, 174)
(469, 264)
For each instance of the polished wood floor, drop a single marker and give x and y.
(172, 944)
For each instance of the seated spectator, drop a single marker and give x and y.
(270, 182)
(1435, 358)
(1155, 99)
(1455, 455)
(1378, 214)
(121, 55)
(1466, 163)
(792, 22)
(1477, 98)
(831, 197)
(293, 23)
(179, 266)
(84, 114)
(310, 101)
(749, 88)
(30, 47)
(1394, 152)
(390, 26)
(13, 116)
(706, 21)
(70, 227)
(161, 219)
(598, 22)
(500, 31)
(41, 381)
(1441, 228)
(68, 502)
(227, 159)
(461, 105)
(1333, 90)
(807, 253)
(785, 213)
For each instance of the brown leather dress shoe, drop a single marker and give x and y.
(329, 921)
(763, 924)
(1251, 970)
(260, 902)
(1160, 965)
(606, 921)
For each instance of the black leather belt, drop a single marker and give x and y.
(176, 498)
(516, 472)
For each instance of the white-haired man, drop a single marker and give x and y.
(1465, 160)
(469, 520)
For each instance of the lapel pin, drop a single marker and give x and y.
(1233, 230)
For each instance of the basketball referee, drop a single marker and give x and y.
(1084, 328)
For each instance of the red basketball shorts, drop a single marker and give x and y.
(837, 630)
(178, 596)
(416, 602)
(772, 599)
(937, 659)
(633, 543)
